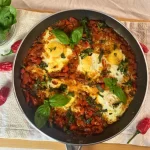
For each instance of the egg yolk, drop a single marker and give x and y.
(115, 57)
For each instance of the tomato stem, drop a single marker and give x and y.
(10, 52)
(137, 132)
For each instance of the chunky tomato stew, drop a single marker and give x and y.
(80, 75)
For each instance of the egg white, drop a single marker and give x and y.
(53, 57)
(114, 72)
(107, 99)
(90, 65)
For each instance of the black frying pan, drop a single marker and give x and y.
(75, 142)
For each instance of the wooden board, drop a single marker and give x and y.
(119, 18)
(17, 143)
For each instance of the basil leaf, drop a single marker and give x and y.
(7, 17)
(59, 100)
(46, 102)
(120, 93)
(13, 11)
(112, 84)
(61, 35)
(3, 34)
(41, 115)
(5, 2)
(76, 35)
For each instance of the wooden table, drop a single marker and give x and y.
(17, 143)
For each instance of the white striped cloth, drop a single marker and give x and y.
(13, 123)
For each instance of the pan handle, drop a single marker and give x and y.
(72, 147)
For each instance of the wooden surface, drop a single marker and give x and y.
(121, 19)
(16, 143)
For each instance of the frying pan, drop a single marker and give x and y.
(75, 142)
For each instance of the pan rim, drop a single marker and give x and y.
(14, 91)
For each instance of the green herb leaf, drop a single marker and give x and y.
(13, 11)
(3, 33)
(71, 44)
(76, 35)
(86, 52)
(43, 84)
(84, 22)
(104, 110)
(87, 39)
(101, 55)
(43, 65)
(101, 95)
(90, 100)
(102, 24)
(105, 72)
(61, 35)
(7, 17)
(71, 94)
(116, 104)
(63, 55)
(70, 116)
(59, 100)
(41, 115)
(112, 84)
(5, 3)
(36, 85)
(10, 52)
(53, 48)
(115, 54)
(71, 119)
(120, 94)
(62, 87)
(99, 88)
(123, 66)
(128, 83)
(46, 102)
(88, 121)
